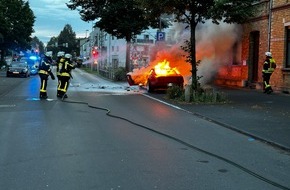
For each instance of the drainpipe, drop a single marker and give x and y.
(270, 24)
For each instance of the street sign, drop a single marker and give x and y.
(160, 36)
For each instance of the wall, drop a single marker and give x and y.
(280, 19)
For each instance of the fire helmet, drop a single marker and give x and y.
(48, 54)
(67, 55)
(60, 54)
(268, 54)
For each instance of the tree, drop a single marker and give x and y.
(17, 20)
(52, 45)
(120, 18)
(193, 12)
(67, 40)
(37, 45)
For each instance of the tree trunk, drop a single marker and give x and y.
(194, 79)
(128, 69)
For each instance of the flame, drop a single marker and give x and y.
(173, 62)
(163, 68)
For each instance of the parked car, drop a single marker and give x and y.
(158, 82)
(33, 63)
(17, 68)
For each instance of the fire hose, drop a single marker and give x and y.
(248, 171)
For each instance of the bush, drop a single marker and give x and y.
(206, 95)
(3, 64)
(120, 74)
(175, 92)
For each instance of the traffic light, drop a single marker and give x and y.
(95, 53)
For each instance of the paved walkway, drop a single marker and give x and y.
(260, 116)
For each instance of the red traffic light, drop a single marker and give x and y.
(95, 53)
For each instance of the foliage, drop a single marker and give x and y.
(65, 41)
(175, 92)
(17, 20)
(208, 96)
(52, 45)
(37, 44)
(137, 15)
(114, 17)
(2, 63)
(203, 95)
(193, 12)
(233, 11)
(122, 18)
(120, 74)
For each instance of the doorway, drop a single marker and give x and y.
(254, 56)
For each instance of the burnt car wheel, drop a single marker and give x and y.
(149, 87)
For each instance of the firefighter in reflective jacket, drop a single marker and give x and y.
(268, 68)
(65, 75)
(59, 62)
(44, 72)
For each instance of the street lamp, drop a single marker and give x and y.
(86, 33)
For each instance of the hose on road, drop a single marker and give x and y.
(248, 171)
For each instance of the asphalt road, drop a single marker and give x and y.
(105, 136)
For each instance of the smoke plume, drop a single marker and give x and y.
(214, 47)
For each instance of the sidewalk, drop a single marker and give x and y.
(264, 117)
(260, 116)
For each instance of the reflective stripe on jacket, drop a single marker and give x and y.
(268, 66)
(66, 69)
(43, 72)
(59, 65)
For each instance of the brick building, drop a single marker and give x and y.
(268, 31)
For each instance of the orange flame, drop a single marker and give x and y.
(172, 58)
(163, 68)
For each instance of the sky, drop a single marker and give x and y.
(52, 16)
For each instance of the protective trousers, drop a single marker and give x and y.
(63, 86)
(266, 81)
(58, 85)
(43, 85)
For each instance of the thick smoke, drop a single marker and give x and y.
(214, 47)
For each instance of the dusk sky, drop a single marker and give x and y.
(52, 16)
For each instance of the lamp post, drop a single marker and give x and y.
(86, 33)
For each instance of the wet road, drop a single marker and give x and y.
(105, 136)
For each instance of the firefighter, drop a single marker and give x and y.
(59, 62)
(44, 72)
(65, 75)
(268, 68)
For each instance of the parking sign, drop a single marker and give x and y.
(160, 36)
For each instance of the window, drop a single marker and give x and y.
(113, 48)
(287, 65)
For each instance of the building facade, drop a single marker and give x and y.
(268, 31)
(111, 52)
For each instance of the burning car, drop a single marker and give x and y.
(160, 77)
